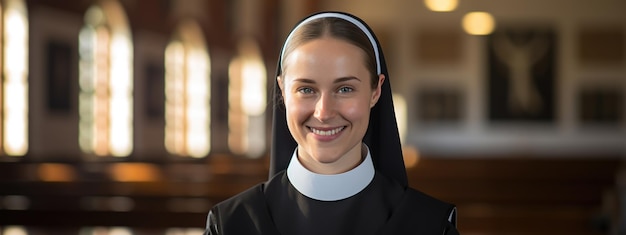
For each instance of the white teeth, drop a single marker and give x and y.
(328, 132)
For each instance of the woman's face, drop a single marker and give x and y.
(328, 95)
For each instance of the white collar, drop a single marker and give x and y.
(330, 187)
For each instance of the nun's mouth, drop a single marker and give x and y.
(329, 132)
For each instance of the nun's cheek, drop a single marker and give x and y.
(355, 112)
(298, 112)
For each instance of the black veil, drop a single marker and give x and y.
(382, 135)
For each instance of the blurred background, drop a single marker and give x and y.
(132, 117)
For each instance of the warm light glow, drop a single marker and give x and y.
(247, 101)
(187, 93)
(106, 231)
(15, 86)
(2, 100)
(106, 82)
(478, 23)
(86, 83)
(253, 90)
(253, 77)
(101, 93)
(237, 122)
(441, 5)
(400, 108)
(198, 113)
(56, 172)
(134, 172)
(411, 156)
(120, 231)
(181, 231)
(174, 105)
(95, 16)
(121, 96)
(14, 230)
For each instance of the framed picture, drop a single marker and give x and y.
(601, 45)
(601, 106)
(439, 105)
(521, 67)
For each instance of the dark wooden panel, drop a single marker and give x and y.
(494, 195)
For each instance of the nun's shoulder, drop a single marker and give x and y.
(434, 207)
(250, 203)
(239, 207)
(425, 199)
(420, 213)
(429, 203)
(249, 196)
(244, 213)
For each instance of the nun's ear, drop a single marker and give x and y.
(281, 85)
(377, 91)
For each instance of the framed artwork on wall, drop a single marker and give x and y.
(439, 105)
(601, 45)
(521, 74)
(600, 106)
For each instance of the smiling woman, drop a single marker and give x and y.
(327, 98)
(336, 158)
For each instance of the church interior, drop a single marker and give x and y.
(133, 117)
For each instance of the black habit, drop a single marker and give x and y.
(385, 206)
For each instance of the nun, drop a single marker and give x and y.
(336, 161)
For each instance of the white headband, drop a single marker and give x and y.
(341, 16)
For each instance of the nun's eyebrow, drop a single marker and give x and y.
(338, 80)
(304, 80)
(345, 79)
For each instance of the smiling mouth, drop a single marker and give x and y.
(326, 132)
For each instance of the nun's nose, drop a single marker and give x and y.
(325, 108)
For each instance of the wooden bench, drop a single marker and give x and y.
(496, 195)
(520, 195)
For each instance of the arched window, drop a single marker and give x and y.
(187, 93)
(14, 82)
(247, 101)
(106, 81)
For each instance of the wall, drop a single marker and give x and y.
(404, 22)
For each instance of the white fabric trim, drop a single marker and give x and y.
(330, 187)
(341, 16)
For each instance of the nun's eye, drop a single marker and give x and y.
(305, 90)
(345, 89)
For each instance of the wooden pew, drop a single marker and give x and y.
(520, 195)
(496, 195)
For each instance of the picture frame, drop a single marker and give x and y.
(521, 74)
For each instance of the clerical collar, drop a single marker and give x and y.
(330, 187)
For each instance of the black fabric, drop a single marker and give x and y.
(384, 207)
(364, 213)
(382, 134)
(420, 213)
(246, 213)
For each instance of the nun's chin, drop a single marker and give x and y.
(331, 159)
